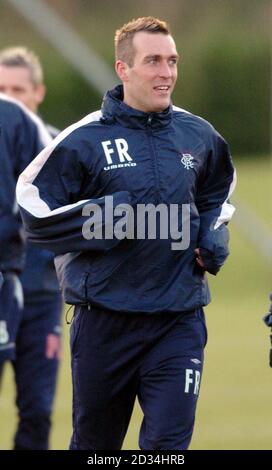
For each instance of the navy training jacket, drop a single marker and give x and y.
(168, 158)
(23, 135)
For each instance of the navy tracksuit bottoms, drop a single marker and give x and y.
(35, 374)
(117, 357)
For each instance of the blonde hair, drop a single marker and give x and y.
(23, 57)
(124, 36)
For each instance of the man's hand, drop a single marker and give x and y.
(53, 347)
(199, 260)
(206, 261)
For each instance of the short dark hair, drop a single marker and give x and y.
(124, 36)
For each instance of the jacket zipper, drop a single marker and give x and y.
(154, 158)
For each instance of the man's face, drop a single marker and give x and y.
(151, 79)
(16, 82)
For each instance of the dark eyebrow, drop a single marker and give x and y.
(158, 56)
(152, 56)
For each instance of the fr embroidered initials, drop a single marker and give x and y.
(192, 381)
(119, 147)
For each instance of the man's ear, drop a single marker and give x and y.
(40, 91)
(122, 69)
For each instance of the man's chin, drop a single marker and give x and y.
(161, 106)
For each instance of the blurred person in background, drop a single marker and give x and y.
(38, 338)
(139, 327)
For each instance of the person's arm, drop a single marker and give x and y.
(216, 186)
(19, 142)
(11, 236)
(55, 202)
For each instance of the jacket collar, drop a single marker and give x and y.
(115, 110)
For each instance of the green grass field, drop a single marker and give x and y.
(234, 410)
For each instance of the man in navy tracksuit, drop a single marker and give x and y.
(38, 339)
(104, 197)
(19, 139)
(22, 135)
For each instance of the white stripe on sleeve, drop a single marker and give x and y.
(228, 209)
(27, 193)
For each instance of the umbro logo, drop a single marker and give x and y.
(119, 147)
(187, 160)
(195, 361)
